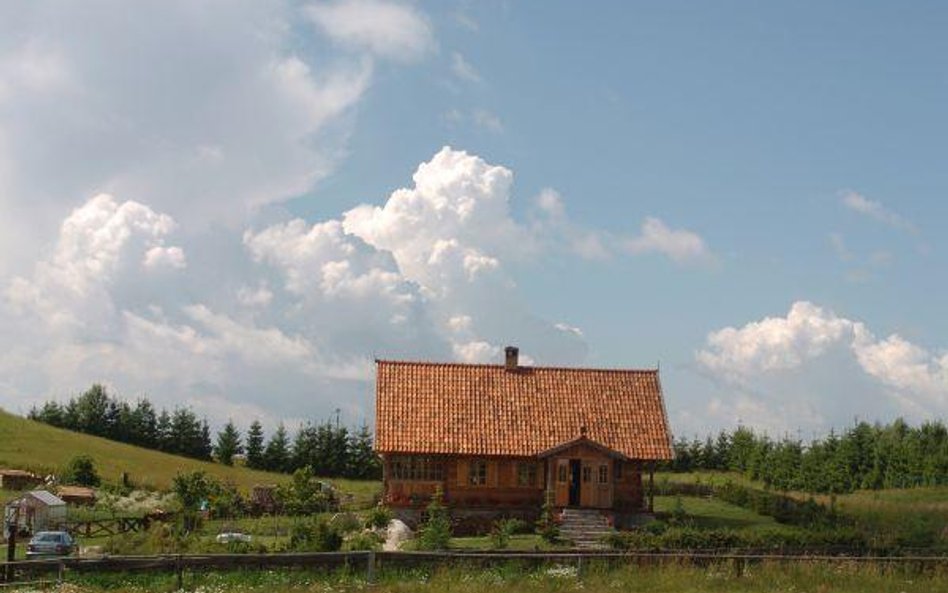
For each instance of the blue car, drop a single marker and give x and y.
(50, 543)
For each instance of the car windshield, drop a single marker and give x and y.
(48, 537)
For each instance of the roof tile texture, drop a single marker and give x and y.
(470, 409)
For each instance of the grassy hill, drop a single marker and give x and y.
(25, 444)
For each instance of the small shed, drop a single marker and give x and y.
(263, 499)
(77, 495)
(18, 479)
(39, 510)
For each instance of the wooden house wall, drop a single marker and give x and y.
(501, 489)
(629, 493)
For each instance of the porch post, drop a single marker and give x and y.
(651, 487)
(549, 481)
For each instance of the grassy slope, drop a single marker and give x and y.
(918, 514)
(709, 513)
(31, 445)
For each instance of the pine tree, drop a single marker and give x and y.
(276, 457)
(205, 449)
(363, 463)
(145, 425)
(163, 435)
(255, 445)
(228, 444)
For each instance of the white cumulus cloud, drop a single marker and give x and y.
(812, 360)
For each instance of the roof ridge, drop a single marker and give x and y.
(528, 367)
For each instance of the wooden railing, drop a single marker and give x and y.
(57, 569)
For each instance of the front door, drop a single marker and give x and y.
(575, 475)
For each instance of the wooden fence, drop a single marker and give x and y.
(369, 563)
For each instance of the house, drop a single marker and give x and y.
(501, 439)
(77, 495)
(37, 510)
(18, 479)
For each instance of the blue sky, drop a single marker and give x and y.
(750, 194)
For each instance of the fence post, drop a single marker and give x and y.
(179, 572)
(738, 567)
(370, 567)
(579, 568)
(60, 577)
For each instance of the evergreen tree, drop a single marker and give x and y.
(255, 445)
(144, 425)
(71, 415)
(205, 449)
(228, 444)
(363, 463)
(276, 457)
(163, 437)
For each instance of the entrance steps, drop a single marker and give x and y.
(584, 527)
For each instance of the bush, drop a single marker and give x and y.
(435, 534)
(502, 530)
(345, 522)
(378, 517)
(546, 526)
(81, 471)
(364, 540)
(689, 538)
(314, 536)
(305, 495)
(678, 515)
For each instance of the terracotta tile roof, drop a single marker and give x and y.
(470, 409)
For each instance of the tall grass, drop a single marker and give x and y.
(594, 578)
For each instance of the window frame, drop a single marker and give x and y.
(526, 474)
(603, 477)
(417, 468)
(477, 472)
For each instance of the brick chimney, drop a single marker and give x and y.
(512, 353)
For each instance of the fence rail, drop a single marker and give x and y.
(373, 561)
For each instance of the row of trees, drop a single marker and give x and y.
(97, 413)
(865, 456)
(326, 449)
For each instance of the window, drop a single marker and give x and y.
(618, 471)
(526, 474)
(477, 475)
(415, 468)
(603, 474)
(587, 473)
(561, 473)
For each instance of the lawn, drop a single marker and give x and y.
(710, 513)
(524, 541)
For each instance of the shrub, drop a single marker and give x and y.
(311, 535)
(678, 515)
(364, 540)
(305, 495)
(378, 517)
(435, 534)
(81, 470)
(546, 526)
(345, 522)
(502, 530)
